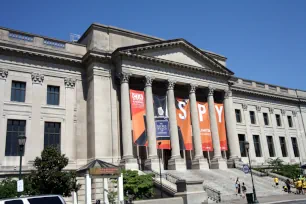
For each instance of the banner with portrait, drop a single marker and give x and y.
(184, 123)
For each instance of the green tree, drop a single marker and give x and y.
(49, 177)
(8, 188)
(275, 164)
(137, 186)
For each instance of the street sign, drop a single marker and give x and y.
(245, 168)
(20, 186)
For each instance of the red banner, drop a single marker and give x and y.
(184, 123)
(219, 109)
(138, 109)
(204, 126)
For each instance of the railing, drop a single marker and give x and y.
(167, 176)
(212, 193)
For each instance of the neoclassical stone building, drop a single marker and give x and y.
(75, 95)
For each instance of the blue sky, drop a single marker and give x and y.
(263, 40)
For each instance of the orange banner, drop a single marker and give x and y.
(204, 126)
(138, 109)
(219, 109)
(184, 124)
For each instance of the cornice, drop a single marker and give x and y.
(171, 63)
(96, 55)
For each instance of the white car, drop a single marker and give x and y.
(42, 199)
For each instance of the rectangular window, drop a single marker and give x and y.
(52, 134)
(256, 141)
(290, 123)
(295, 147)
(283, 146)
(252, 117)
(14, 129)
(278, 120)
(241, 144)
(238, 115)
(266, 118)
(53, 95)
(18, 91)
(270, 146)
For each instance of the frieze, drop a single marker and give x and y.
(70, 82)
(3, 73)
(37, 78)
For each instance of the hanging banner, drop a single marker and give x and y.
(184, 123)
(204, 126)
(161, 122)
(221, 125)
(138, 110)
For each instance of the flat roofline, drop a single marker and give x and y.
(40, 36)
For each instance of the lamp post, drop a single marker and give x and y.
(160, 174)
(21, 141)
(247, 146)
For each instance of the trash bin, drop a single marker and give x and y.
(249, 197)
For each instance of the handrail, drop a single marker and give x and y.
(212, 193)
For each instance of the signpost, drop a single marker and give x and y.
(245, 168)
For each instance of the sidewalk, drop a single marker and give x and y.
(271, 199)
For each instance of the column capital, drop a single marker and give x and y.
(37, 78)
(149, 80)
(192, 88)
(228, 93)
(245, 106)
(3, 73)
(258, 108)
(124, 77)
(171, 84)
(271, 110)
(283, 111)
(294, 113)
(210, 90)
(70, 82)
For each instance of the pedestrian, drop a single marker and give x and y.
(276, 182)
(299, 186)
(237, 184)
(244, 189)
(288, 185)
(304, 186)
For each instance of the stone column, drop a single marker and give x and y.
(288, 137)
(176, 162)
(105, 190)
(300, 135)
(87, 189)
(198, 162)
(217, 161)
(128, 160)
(230, 122)
(3, 77)
(120, 189)
(152, 161)
(276, 142)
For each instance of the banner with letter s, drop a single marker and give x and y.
(219, 109)
(138, 110)
(184, 123)
(204, 126)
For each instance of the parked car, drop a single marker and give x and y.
(42, 199)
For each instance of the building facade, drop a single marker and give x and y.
(76, 96)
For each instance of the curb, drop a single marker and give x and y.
(285, 201)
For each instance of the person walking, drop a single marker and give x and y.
(304, 186)
(237, 186)
(299, 186)
(276, 182)
(288, 185)
(244, 189)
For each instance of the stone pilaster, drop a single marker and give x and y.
(128, 160)
(288, 137)
(198, 162)
(276, 142)
(300, 135)
(230, 122)
(152, 162)
(263, 138)
(3, 77)
(175, 162)
(217, 161)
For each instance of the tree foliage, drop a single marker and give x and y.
(287, 170)
(137, 186)
(8, 187)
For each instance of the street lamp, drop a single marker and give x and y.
(247, 146)
(21, 141)
(160, 174)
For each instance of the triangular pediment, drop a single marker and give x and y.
(178, 51)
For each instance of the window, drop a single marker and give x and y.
(283, 146)
(278, 120)
(252, 117)
(241, 144)
(14, 202)
(290, 123)
(53, 95)
(270, 146)
(238, 115)
(14, 129)
(52, 134)
(257, 145)
(45, 200)
(266, 118)
(18, 91)
(295, 147)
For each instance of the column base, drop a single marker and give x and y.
(129, 164)
(176, 164)
(218, 163)
(200, 163)
(153, 164)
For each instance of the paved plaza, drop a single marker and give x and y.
(291, 198)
